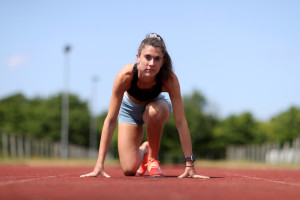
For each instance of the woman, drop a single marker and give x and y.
(136, 100)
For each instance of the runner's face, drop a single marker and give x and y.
(150, 61)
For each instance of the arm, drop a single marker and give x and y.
(172, 86)
(121, 84)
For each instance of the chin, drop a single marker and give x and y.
(149, 75)
(153, 73)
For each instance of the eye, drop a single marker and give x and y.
(148, 57)
(157, 58)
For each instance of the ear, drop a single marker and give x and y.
(137, 58)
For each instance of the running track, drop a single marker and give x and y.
(32, 182)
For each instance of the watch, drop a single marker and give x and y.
(190, 158)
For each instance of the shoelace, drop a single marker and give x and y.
(146, 164)
(153, 163)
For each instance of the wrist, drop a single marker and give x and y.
(190, 158)
(189, 164)
(98, 167)
(189, 161)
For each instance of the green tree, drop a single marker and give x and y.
(237, 129)
(286, 126)
(12, 113)
(79, 119)
(41, 118)
(200, 125)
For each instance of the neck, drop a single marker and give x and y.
(146, 82)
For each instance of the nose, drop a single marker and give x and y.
(151, 62)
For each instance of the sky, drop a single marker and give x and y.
(243, 56)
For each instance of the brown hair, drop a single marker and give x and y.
(156, 40)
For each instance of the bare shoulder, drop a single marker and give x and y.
(171, 83)
(126, 71)
(124, 76)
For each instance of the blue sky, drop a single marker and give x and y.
(242, 55)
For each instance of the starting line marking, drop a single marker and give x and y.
(267, 180)
(29, 180)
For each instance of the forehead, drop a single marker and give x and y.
(153, 51)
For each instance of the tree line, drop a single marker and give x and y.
(40, 118)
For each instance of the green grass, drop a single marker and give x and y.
(208, 164)
(224, 164)
(56, 162)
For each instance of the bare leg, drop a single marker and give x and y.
(129, 139)
(155, 116)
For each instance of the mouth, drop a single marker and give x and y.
(150, 70)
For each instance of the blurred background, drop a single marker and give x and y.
(237, 62)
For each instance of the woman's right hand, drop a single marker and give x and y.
(96, 173)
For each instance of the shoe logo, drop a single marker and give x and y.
(159, 171)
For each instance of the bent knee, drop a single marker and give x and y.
(129, 172)
(130, 169)
(156, 113)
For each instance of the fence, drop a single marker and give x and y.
(270, 153)
(17, 146)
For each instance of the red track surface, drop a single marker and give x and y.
(28, 182)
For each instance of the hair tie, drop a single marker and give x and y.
(153, 35)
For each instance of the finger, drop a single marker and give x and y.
(184, 175)
(199, 176)
(85, 175)
(89, 175)
(105, 175)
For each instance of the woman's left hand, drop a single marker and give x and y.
(191, 173)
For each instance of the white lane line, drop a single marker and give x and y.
(22, 181)
(267, 180)
(9, 182)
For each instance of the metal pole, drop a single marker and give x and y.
(65, 107)
(93, 120)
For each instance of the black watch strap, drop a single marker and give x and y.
(190, 158)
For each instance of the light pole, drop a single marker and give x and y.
(93, 119)
(65, 106)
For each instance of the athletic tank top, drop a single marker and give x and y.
(144, 94)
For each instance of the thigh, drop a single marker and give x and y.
(159, 109)
(130, 112)
(129, 139)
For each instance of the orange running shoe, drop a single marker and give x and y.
(154, 169)
(143, 167)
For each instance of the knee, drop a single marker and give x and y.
(129, 172)
(129, 169)
(156, 114)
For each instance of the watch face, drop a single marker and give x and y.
(190, 158)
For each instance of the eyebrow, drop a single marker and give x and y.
(152, 56)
